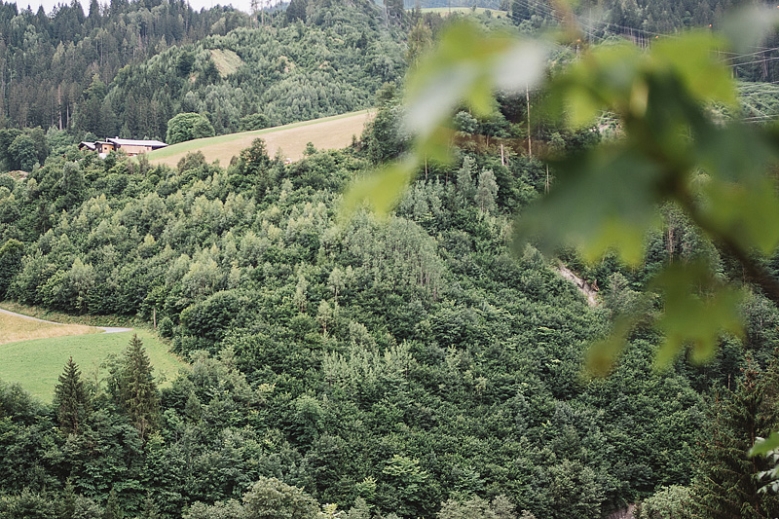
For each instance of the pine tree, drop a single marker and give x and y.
(71, 399)
(112, 509)
(725, 486)
(137, 389)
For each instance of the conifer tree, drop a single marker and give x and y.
(137, 389)
(71, 399)
(726, 486)
(112, 509)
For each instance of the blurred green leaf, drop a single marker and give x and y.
(733, 153)
(437, 147)
(763, 447)
(582, 107)
(749, 215)
(693, 57)
(380, 190)
(748, 27)
(466, 66)
(697, 310)
(604, 200)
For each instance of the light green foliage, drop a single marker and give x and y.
(486, 191)
(477, 508)
(410, 482)
(231, 509)
(464, 179)
(667, 503)
(270, 498)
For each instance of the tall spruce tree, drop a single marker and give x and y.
(726, 486)
(137, 389)
(71, 400)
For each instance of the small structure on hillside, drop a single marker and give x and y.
(131, 147)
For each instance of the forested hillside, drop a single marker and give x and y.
(254, 78)
(48, 62)
(414, 367)
(417, 366)
(128, 68)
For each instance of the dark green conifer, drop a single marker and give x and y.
(71, 400)
(726, 486)
(112, 509)
(138, 391)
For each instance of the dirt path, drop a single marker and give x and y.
(106, 329)
(589, 292)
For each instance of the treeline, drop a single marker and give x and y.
(48, 62)
(252, 78)
(127, 68)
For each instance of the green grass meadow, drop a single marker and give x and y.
(37, 364)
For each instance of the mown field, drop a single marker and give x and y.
(36, 364)
(14, 329)
(327, 133)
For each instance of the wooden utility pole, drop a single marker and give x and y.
(546, 185)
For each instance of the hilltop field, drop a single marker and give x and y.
(290, 140)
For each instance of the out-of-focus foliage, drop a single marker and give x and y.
(608, 198)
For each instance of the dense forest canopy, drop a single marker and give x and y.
(126, 69)
(413, 367)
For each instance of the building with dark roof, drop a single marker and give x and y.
(131, 147)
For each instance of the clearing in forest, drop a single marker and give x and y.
(328, 133)
(227, 62)
(33, 355)
(15, 328)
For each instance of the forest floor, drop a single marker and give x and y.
(290, 141)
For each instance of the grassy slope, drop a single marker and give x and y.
(37, 364)
(59, 317)
(327, 133)
(14, 329)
